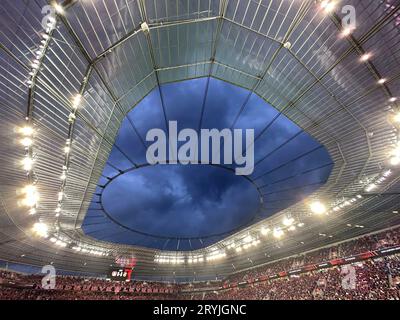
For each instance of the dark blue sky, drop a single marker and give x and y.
(146, 206)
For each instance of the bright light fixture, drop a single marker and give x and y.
(248, 239)
(278, 233)
(265, 231)
(365, 57)
(317, 207)
(27, 163)
(347, 31)
(26, 142)
(395, 160)
(59, 8)
(76, 101)
(40, 229)
(31, 196)
(26, 131)
(288, 221)
(328, 5)
(382, 81)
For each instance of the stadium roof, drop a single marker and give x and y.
(74, 80)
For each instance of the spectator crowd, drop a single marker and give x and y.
(374, 278)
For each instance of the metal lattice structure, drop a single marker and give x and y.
(113, 53)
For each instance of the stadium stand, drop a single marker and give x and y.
(375, 278)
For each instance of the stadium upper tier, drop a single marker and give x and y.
(72, 71)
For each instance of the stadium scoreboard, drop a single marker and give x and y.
(119, 274)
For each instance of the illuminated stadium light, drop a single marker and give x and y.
(67, 149)
(216, 255)
(292, 228)
(278, 233)
(393, 99)
(26, 131)
(195, 259)
(300, 225)
(32, 211)
(40, 229)
(60, 196)
(382, 81)
(396, 151)
(287, 221)
(265, 231)
(365, 57)
(255, 243)
(248, 239)
(239, 249)
(347, 31)
(371, 187)
(318, 207)
(76, 101)
(61, 243)
(59, 9)
(328, 5)
(31, 196)
(165, 259)
(26, 142)
(396, 117)
(394, 161)
(27, 163)
(231, 246)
